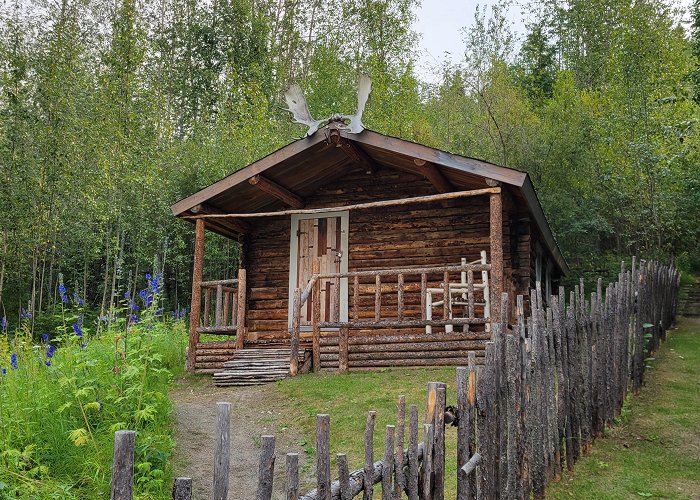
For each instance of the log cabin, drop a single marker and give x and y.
(360, 251)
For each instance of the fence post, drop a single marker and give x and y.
(182, 488)
(123, 465)
(323, 456)
(222, 451)
(369, 456)
(267, 468)
(292, 476)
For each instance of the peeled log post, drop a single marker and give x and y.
(496, 253)
(240, 312)
(294, 344)
(196, 304)
(428, 439)
(316, 313)
(123, 465)
(266, 469)
(323, 456)
(223, 451)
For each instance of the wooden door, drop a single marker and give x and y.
(322, 239)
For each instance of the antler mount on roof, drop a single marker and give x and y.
(301, 113)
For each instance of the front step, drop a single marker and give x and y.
(258, 366)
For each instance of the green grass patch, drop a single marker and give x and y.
(655, 451)
(348, 398)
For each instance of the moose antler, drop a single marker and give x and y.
(300, 109)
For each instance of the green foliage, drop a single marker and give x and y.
(60, 407)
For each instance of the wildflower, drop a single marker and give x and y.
(13, 361)
(3, 324)
(83, 346)
(78, 331)
(47, 363)
(133, 306)
(4, 371)
(173, 314)
(127, 295)
(25, 314)
(50, 350)
(142, 294)
(78, 300)
(159, 312)
(155, 283)
(133, 319)
(148, 276)
(62, 291)
(45, 337)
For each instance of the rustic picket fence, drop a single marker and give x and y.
(550, 383)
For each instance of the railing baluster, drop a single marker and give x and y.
(446, 306)
(423, 288)
(207, 300)
(234, 308)
(400, 297)
(356, 298)
(377, 297)
(227, 303)
(470, 292)
(219, 303)
(296, 321)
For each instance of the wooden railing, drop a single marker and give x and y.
(406, 281)
(220, 314)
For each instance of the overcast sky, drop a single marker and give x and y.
(440, 22)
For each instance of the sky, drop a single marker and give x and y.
(440, 23)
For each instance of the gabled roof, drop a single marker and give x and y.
(305, 165)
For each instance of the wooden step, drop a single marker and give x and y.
(254, 366)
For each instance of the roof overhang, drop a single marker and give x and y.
(307, 164)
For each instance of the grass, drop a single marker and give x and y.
(348, 398)
(655, 450)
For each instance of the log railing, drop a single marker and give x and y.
(396, 285)
(223, 306)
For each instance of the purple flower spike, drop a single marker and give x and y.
(13, 361)
(77, 330)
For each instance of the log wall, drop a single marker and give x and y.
(429, 234)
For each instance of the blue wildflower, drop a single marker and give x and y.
(142, 294)
(127, 295)
(155, 284)
(78, 300)
(50, 350)
(83, 346)
(25, 314)
(45, 337)
(78, 331)
(62, 292)
(13, 361)
(159, 312)
(148, 276)
(133, 306)
(133, 319)
(47, 363)
(3, 324)
(173, 314)
(4, 371)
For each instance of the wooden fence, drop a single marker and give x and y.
(551, 381)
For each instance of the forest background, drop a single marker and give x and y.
(112, 110)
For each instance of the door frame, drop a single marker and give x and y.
(294, 254)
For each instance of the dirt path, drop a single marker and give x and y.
(256, 411)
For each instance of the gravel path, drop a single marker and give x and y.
(255, 411)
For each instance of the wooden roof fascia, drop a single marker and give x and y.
(260, 166)
(436, 156)
(277, 190)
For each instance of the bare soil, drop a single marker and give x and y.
(255, 411)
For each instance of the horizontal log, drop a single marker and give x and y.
(467, 345)
(404, 323)
(409, 270)
(216, 345)
(218, 329)
(356, 206)
(422, 337)
(444, 361)
(209, 284)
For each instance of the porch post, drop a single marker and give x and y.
(196, 305)
(496, 255)
(240, 313)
